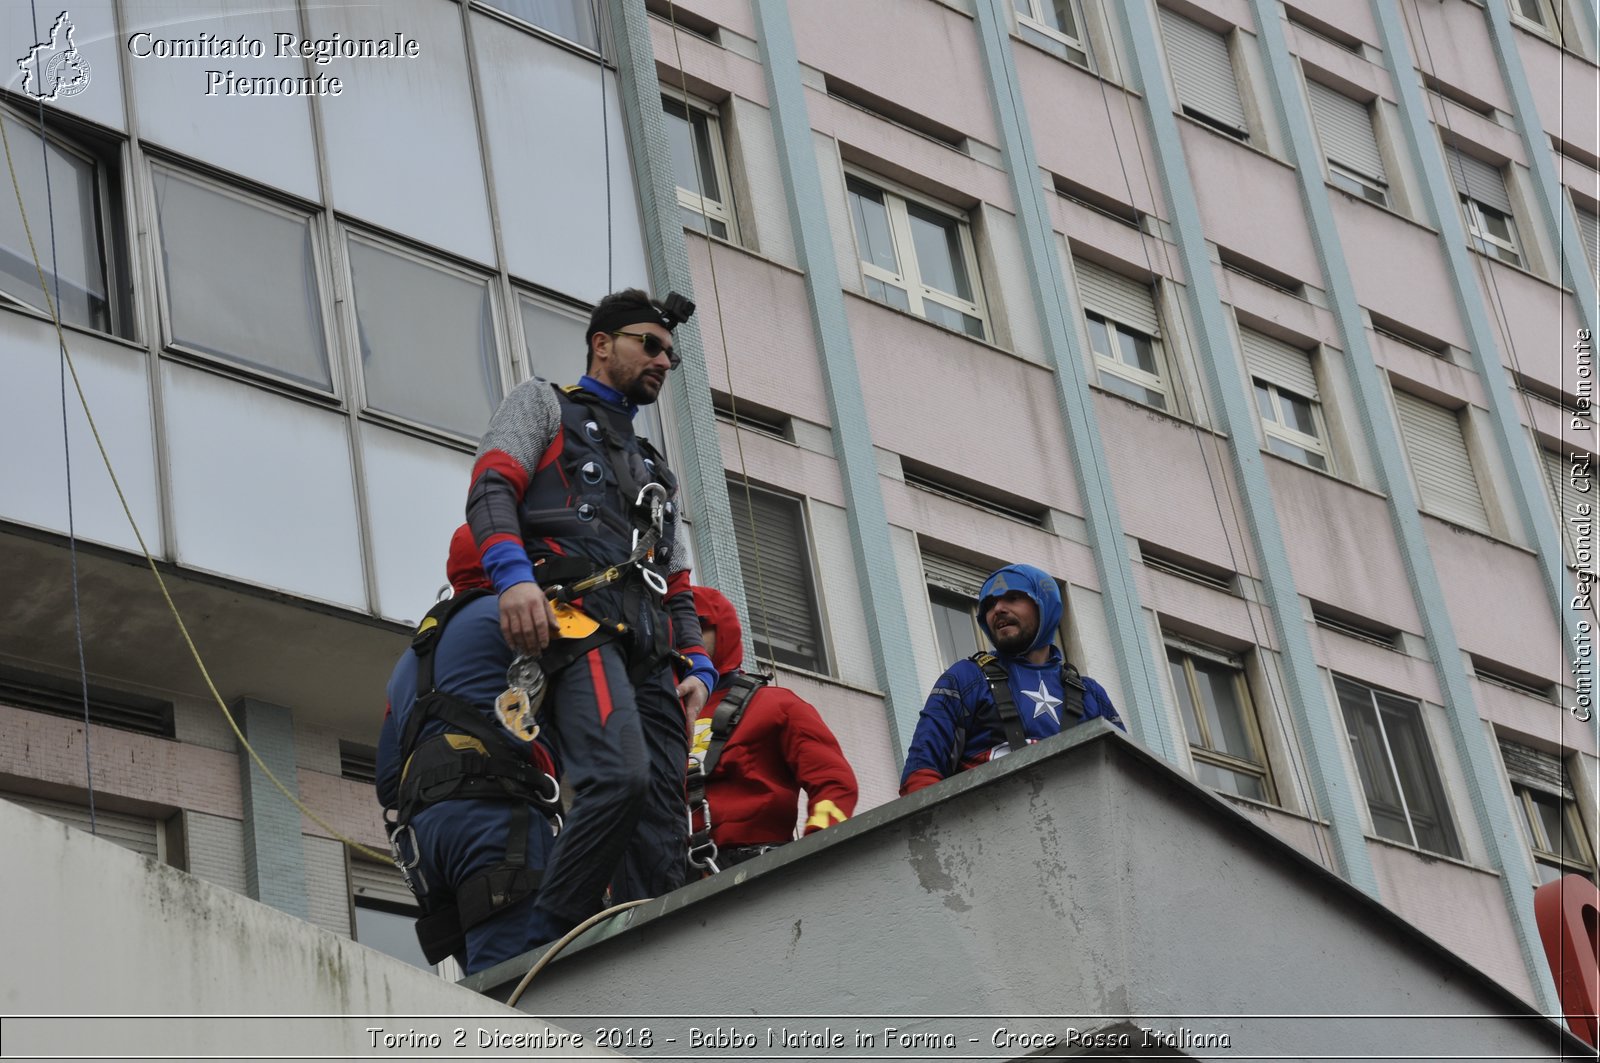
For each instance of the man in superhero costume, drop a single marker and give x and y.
(470, 801)
(567, 499)
(989, 704)
(758, 746)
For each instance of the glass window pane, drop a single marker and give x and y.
(952, 623)
(1295, 453)
(1136, 351)
(701, 124)
(1269, 412)
(1099, 338)
(259, 309)
(556, 348)
(571, 19)
(1180, 683)
(1548, 809)
(1119, 385)
(681, 138)
(427, 341)
(888, 293)
(938, 244)
(1058, 16)
(75, 266)
(1297, 411)
(390, 933)
(1229, 781)
(1228, 732)
(872, 227)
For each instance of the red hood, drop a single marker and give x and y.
(463, 569)
(717, 616)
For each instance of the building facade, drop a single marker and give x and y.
(1265, 328)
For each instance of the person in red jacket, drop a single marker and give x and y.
(775, 747)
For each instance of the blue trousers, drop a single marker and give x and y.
(458, 839)
(623, 750)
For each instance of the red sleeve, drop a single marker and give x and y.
(920, 779)
(818, 764)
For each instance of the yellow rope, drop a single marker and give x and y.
(150, 560)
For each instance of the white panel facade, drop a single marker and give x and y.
(416, 496)
(183, 106)
(93, 34)
(401, 138)
(34, 491)
(262, 488)
(546, 128)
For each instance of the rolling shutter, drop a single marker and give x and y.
(131, 832)
(1346, 130)
(778, 587)
(1203, 70)
(370, 880)
(1121, 298)
(1478, 180)
(957, 577)
(1278, 362)
(1439, 461)
(1589, 231)
(1565, 497)
(1536, 768)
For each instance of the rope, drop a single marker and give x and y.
(127, 509)
(1275, 694)
(722, 332)
(566, 939)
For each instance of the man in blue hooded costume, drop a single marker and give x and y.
(989, 704)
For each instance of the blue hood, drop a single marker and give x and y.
(1036, 585)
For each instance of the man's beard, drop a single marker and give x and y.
(1016, 642)
(641, 390)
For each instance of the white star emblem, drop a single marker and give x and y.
(1044, 704)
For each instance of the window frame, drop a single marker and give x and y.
(1114, 364)
(1427, 770)
(110, 222)
(1077, 47)
(554, 35)
(321, 281)
(896, 199)
(1202, 747)
(822, 664)
(1357, 183)
(1281, 430)
(1189, 108)
(1495, 247)
(1440, 504)
(724, 211)
(350, 323)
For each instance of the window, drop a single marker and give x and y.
(1589, 233)
(88, 275)
(1541, 15)
(138, 833)
(384, 916)
(572, 19)
(953, 588)
(1123, 333)
(1202, 73)
(1056, 20)
(1398, 775)
(916, 257)
(1349, 143)
(427, 339)
(1286, 396)
(1221, 723)
(61, 696)
(262, 310)
(1549, 815)
(1485, 204)
(785, 624)
(1440, 466)
(554, 338)
(704, 193)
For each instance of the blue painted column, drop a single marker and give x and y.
(1146, 712)
(699, 467)
(852, 437)
(1504, 845)
(274, 855)
(1320, 733)
(1439, 199)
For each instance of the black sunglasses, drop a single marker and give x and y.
(653, 346)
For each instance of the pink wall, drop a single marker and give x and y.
(1249, 203)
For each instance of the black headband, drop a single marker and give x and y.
(673, 311)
